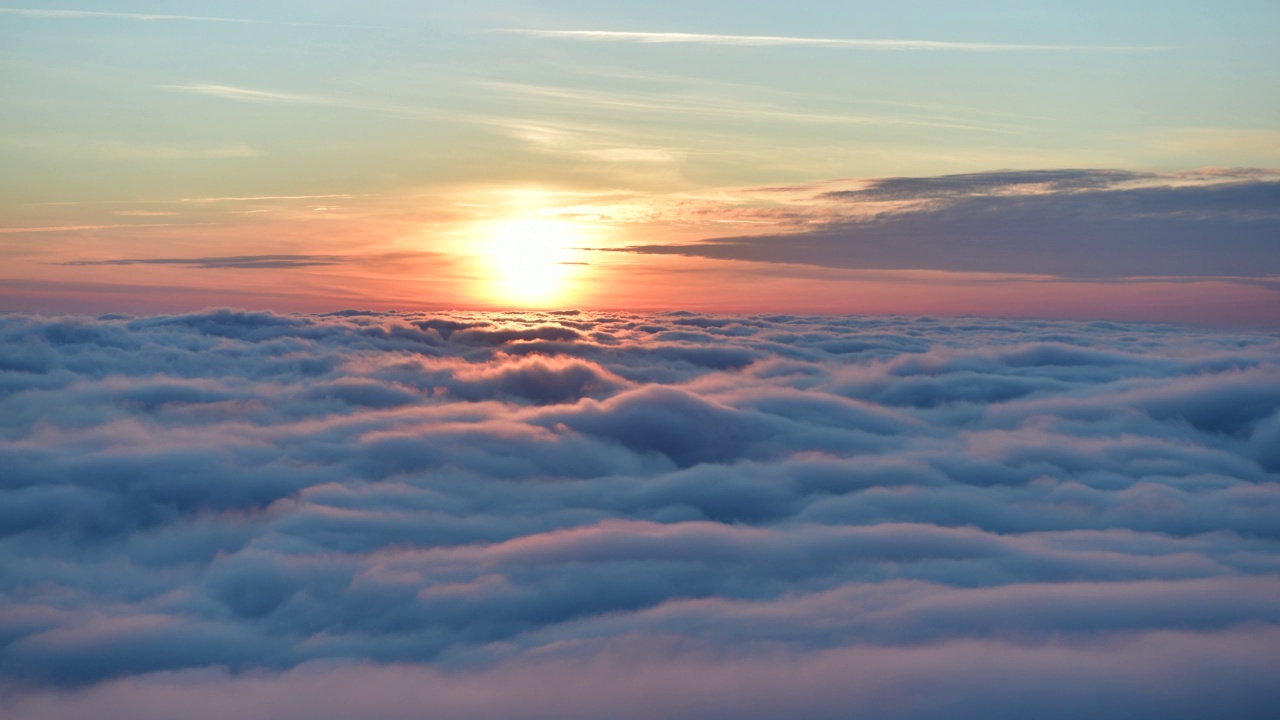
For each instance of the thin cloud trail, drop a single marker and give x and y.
(154, 17)
(78, 228)
(718, 109)
(777, 40)
(238, 94)
(194, 200)
(229, 92)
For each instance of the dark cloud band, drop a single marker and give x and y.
(1092, 224)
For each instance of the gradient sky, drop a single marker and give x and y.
(318, 155)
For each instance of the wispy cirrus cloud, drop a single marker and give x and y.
(782, 40)
(143, 17)
(77, 228)
(261, 198)
(155, 17)
(230, 92)
(252, 95)
(202, 200)
(240, 262)
(722, 107)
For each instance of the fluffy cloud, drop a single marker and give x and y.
(672, 515)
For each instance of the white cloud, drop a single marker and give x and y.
(776, 41)
(230, 92)
(153, 17)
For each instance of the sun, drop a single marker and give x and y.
(530, 262)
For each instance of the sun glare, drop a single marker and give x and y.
(531, 262)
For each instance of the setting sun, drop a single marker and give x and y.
(530, 262)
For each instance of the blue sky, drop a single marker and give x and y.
(398, 88)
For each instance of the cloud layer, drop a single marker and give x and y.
(673, 515)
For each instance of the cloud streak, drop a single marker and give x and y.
(229, 92)
(154, 17)
(251, 95)
(719, 108)
(785, 41)
(225, 262)
(80, 228)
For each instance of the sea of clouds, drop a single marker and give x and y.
(586, 515)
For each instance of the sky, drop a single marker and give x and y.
(1034, 159)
